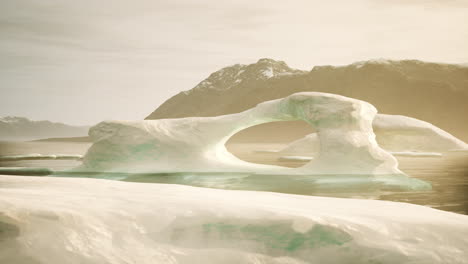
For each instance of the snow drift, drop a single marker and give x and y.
(343, 125)
(395, 133)
(91, 221)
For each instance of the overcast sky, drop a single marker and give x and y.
(84, 61)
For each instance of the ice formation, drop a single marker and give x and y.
(91, 221)
(415, 154)
(42, 157)
(295, 158)
(306, 146)
(400, 135)
(343, 125)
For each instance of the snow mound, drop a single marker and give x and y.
(343, 125)
(90, 221)
(401, 135)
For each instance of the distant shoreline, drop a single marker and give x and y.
(64, 139)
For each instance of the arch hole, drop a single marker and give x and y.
(266, 144)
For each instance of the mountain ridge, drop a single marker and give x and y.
(434, 92)
(22, 128)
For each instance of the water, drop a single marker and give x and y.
(45, 148)
(448, 175)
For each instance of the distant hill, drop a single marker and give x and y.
(434, 92)
(21, 128)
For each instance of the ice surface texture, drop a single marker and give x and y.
(343, 125)
(401, 135)
(91, 221)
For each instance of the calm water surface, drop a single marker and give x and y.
(448, 175)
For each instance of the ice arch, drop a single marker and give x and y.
(403, 133)
(343, 125)
(395, 133)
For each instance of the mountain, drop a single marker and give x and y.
(21, 128)
(433, 92)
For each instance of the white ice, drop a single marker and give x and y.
(296, 158)
(416, 154)
(400, 135)
(343, 125)
(91, 221)
(35, 156)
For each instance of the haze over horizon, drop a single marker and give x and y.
(82, 62)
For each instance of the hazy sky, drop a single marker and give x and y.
(84, 61)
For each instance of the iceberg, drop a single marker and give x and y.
(36, 156)
(295, 158)
(403, 133)
(197, 144)
(306, 146)
(93, 221)
(416, 154)
(400, 135)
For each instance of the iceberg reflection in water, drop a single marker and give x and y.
(334, 185)
(447, 174)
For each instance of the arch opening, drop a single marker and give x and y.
(267, 143)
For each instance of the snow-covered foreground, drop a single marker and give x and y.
(72, 220)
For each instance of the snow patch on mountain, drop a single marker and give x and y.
(382, 61)
(268, 73)
(231, 76)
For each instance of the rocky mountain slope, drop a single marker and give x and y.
(433, 92)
